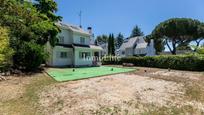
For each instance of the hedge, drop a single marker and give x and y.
(179, 62)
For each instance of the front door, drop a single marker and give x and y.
(96, 54)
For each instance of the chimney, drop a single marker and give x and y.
(92, 35)
(152, 42)
(89, 30)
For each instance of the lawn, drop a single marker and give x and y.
(66, 74)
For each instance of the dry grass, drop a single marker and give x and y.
(139, 92)
(27, 102)
(194, 89)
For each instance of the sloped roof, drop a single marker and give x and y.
(141, 45)
(130, 43)
(96, 47)
(73, 28)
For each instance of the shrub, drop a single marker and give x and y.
(29, 56)
(200, 50)
(5, 51)
(179, 62)
(111, 60)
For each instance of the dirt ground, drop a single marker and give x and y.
(145, 91)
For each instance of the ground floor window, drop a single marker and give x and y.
(63, 54)
(123, 52)
(84, 55)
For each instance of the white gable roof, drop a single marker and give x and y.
(141, 45)
(131, 42)
(73, 28)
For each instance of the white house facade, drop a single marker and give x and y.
(74, 48)
(136, 46)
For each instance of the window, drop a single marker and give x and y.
(61, 39)
(84, 55)
(82, 40)
(63, 54)
(123, 52)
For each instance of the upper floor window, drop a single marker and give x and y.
(61, 39)
(82, 40)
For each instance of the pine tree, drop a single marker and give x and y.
(119, 40)
(109, 45)
(113, 45)
(136, 32)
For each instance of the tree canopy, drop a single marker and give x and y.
(119, 40)
(29, 28)
(178, 31)
(159, 43)
(136, 32)
(102, 39)
(48, 7)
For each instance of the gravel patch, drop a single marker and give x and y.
(88, 96)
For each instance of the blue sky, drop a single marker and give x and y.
(114, 16)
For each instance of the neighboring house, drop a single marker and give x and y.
(137, 46)
(74, 48)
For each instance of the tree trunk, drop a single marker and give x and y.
(174, 47)
(173, 51)
(197, 44)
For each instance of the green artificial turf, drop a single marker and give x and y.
(66, 74)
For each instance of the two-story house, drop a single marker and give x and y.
(75, 48)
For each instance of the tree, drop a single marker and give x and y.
(183, 46)
(119, 40)
(111, 45)
(6, 51)
(159, 43)
(101, 39)
(28, 29)
(177, 31)
(136, 32)
(200, 36)
(29, 57)
(48, 7)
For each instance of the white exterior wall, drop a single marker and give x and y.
(121, 53)
(68, 36)
(80, 62)
(150, 49)
(57, 61)
(140, 51)
(129, 51)
(76, 39)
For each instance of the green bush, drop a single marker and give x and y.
(107, 60)
(179, 62)
(200, 50)
(29, 56)
(5, 51)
